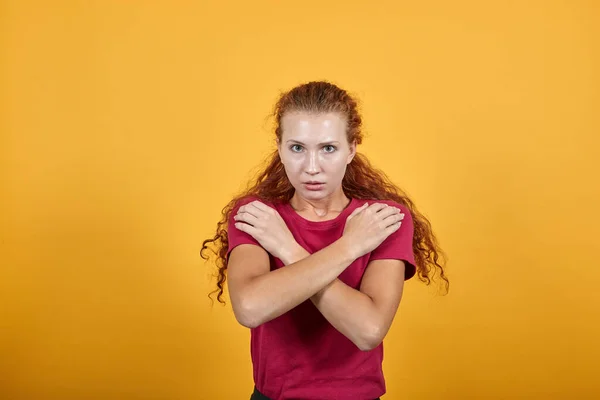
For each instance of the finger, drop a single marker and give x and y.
(246, 217)
(249, 229)
(257, 210)
(249, 208)
(392, 219)
(261, 206)
(387, 211)
(393, 227)
(376, 207)
(357, 210)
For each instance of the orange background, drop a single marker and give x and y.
(127, 126)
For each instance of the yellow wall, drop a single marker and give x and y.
(126, 126)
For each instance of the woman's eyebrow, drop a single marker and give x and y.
(330, 142)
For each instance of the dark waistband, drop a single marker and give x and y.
(256, 395)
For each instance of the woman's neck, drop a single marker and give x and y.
(321, 209)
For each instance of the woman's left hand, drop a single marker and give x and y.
(265, 225)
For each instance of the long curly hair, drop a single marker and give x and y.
(361, 181)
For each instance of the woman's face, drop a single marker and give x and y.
(315, 152)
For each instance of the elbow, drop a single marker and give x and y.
(370, 340)
(369, 345)
(246, 315)
(250, 324)
(247, 321)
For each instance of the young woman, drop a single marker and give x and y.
(317, 251)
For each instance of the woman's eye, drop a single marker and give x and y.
(332, 148)
(296, 148)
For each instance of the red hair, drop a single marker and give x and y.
(361, 181)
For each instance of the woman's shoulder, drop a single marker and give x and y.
(360, 202)
(251, 198)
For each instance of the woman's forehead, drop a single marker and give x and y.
(322, 127)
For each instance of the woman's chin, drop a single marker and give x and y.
(311, 194)
(314, 194)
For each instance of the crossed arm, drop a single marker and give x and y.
(364, 316)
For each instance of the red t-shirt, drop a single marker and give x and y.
(300, 355)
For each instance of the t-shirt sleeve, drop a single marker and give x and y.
(399, 245)
(236, 236)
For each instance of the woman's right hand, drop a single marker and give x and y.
(369, 225)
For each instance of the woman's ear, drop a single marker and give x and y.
(352, 152)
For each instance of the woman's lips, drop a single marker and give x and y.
(314, 186)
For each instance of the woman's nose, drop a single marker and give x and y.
(312, 163)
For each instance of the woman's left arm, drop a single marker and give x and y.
(364, 316)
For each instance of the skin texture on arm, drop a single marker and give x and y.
(364, 316)
(259, 295)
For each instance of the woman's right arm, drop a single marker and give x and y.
(259, 295)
